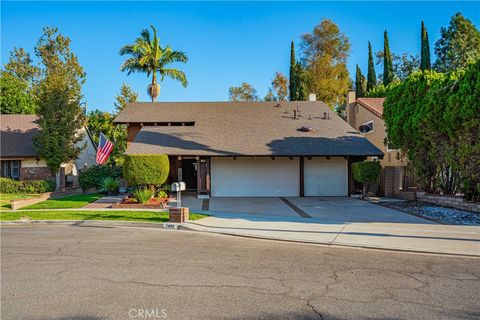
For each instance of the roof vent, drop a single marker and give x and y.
(326, 116)
(306, 129)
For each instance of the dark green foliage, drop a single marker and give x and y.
(102, 121)
(93, 176)
(26, 186)
(366, 172)
(292, 75)
(110, 185)
(388, 74)
(434, 119)
(424, 50)
(371, 75)
(14, 96)
(458, 45)
(146, 170)
(360, 83)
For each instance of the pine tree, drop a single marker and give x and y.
(126, 96)
(458, 46)
(387, 61)
(371, 76)
(293, 76)
(425, 50)
(360, 83)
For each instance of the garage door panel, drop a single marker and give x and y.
(326, 177)
(255, 177)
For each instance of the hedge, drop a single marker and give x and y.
(142, 170)
(26, 186)
(93, 176)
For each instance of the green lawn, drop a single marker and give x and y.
(6, 197)
(144, 216)
(69, 202)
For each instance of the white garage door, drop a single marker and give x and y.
(254, 177)
(326, 177)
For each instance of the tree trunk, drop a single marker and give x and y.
(57, 180)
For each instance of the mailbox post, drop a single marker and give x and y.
(179, 187)
(178, 214)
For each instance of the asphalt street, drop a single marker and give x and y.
(79, 272)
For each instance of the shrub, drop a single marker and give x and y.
(110, 185)
(142, 195)
(93, 176)
(146, 170)
(162, 194)
(26, 186)
(366, 172)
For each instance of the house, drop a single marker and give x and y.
(368, 112)
(20, 160)
(249, 148)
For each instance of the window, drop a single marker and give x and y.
(367, 127)
(11, 169)
(375, 159)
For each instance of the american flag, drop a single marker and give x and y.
(104, 149)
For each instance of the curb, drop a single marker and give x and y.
(188, 227)
(95, 223)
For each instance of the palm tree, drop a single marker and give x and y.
(146, 55)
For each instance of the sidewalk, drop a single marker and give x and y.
(431, 238)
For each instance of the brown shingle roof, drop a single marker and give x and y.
(16, 133)
(243, 128)
(374, 105)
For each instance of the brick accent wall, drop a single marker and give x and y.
(36, 173)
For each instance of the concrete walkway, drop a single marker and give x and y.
(416, 237)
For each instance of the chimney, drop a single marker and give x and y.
(312, 97)
(350, 107)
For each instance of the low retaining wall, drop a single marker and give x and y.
(20, 203)
(441, 200)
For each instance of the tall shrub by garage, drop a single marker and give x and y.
(146, 170)
(366, 172)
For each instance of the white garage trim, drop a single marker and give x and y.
(324, 177)
(255, 177)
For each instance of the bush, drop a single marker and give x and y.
(162, 194)
(366, 172)
(110, 185)
(93, 176)
(26, 186)
(146, 170)
(142, 195)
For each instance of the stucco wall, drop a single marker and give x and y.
(359, 116)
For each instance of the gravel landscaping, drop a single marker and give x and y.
(436, 213)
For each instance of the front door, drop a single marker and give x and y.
(189, 173)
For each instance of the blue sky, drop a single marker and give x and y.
(226, 42)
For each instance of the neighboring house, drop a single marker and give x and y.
(249, 148)
(369, 112)
(20, 160)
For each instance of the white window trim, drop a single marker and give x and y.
(373, 126)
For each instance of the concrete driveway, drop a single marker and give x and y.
(326, 209)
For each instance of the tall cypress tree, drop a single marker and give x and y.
(292, 76)
(360, 84)
(387, 61)
(425, 50)
(371, 76)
